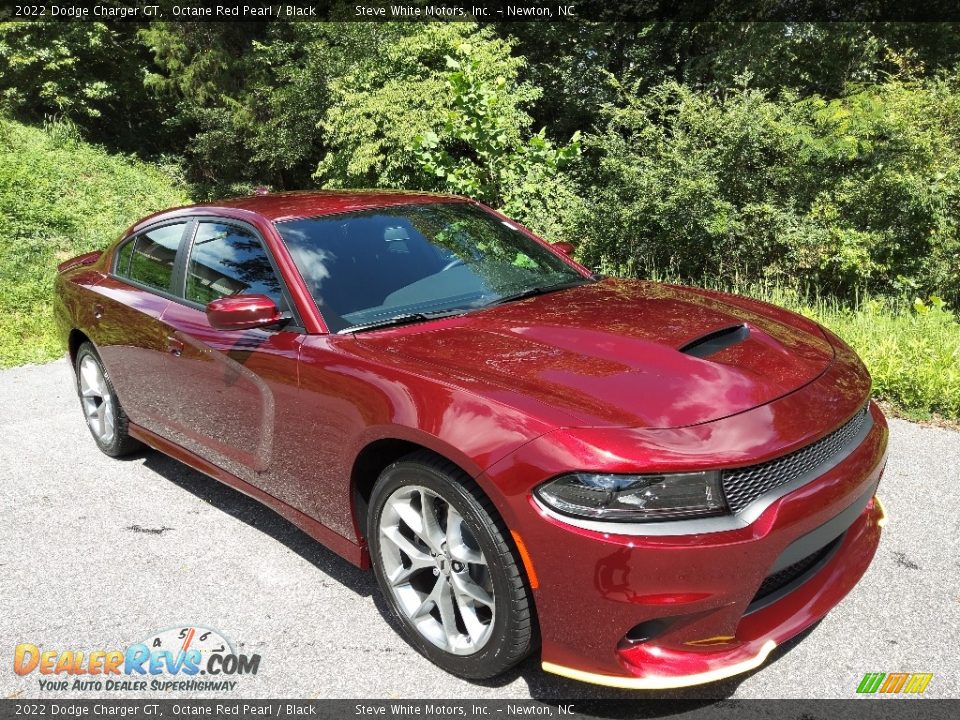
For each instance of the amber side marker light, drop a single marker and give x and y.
(527, 561)
(883, 519)
(715, 640)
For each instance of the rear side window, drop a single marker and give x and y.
(149, 258)
(229, 260)
(123, 258)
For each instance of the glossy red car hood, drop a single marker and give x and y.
(608, 353)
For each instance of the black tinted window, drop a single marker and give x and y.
(228, 260)
(152, 256)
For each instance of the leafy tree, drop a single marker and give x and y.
(572, 65)
(481, 152)
(71, 70)
(812, 58)
(846, 192)
(393, 89)
(206, 71)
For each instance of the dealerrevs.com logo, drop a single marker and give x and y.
(187, 659)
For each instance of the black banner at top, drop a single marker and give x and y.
(483, 10)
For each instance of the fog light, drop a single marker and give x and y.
(646, 630)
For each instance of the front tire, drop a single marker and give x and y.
(445, 567)
(105, 417)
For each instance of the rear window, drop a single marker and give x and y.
(149, 258)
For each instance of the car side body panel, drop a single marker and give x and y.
(230, 388)
(349, 400)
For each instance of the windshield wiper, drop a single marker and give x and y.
(538, 290)
(402, 319)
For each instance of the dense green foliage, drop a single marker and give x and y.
(854, 192)
(479, 149)
(59, 197)
(91, 73)
(749, 154)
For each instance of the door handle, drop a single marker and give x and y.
(174, 346)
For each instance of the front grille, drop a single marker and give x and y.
(791, 573)
(744, 485)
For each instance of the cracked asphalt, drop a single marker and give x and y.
(97, 553)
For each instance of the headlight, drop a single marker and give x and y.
(633, 498)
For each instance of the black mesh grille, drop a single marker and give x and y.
(782, 578)
(744, 485)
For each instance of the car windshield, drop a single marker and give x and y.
(414, 262)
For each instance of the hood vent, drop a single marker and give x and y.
(715, 341)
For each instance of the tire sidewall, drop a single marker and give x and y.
(405, 473)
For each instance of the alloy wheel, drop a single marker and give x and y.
(436, 571)
(97, 401)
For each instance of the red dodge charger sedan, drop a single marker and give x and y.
(652, 486)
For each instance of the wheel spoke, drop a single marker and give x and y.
(109, 421)
(448, 618)
(90, 379)
(430, 600)
(468, 611)
(409, 515)
(416, 555)
(464, 585)
(432, 532)
(98, 420)
(458, 549)
(401, 575)
(415, 521)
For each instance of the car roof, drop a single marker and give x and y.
(280, 206)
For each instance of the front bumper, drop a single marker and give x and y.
(595, 587)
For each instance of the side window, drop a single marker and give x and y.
(151, 256)
(228, 260)
(123, 258)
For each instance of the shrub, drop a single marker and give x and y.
(858, 191)
(913, 353)
(443, 107)
(485, 153)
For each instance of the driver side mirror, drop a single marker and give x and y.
(242, 312)
(567, 248)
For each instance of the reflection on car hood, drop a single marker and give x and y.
(610, 353)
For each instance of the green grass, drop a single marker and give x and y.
(912, 348)
(60, 197)
(914, 357)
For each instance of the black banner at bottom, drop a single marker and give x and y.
(874, 709)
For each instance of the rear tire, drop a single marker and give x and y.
(446, 569)
(101, 407)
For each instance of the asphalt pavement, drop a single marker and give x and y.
(98, 553)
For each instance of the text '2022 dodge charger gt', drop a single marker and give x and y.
(651, 486)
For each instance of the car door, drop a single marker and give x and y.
(127, 306)
(224, 387)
